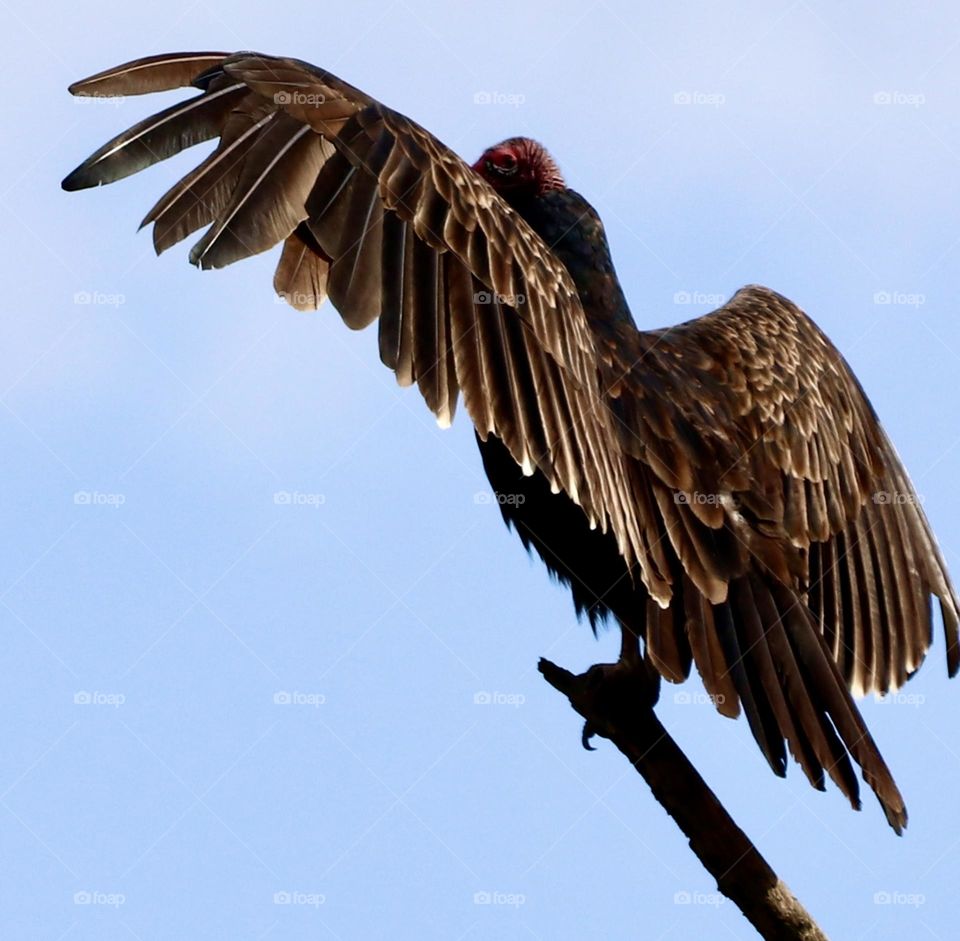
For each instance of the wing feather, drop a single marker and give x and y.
(151, 74)
(158, 137)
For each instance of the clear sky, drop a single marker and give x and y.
(158, 604)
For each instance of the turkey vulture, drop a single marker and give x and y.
(722, 488)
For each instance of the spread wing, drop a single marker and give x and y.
(806, 563)
(378, 214)
(755, 422)
(734, 459)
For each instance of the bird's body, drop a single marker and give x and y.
(573, 230)
(721, 488)
(587, 560)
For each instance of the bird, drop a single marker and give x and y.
(721, 490)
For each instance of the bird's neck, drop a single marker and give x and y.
(574, 233)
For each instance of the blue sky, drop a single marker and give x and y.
(229, 716)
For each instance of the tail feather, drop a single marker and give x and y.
(824, 679)
(793, 692)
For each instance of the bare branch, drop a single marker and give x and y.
(624, 713)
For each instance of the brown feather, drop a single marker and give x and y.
(156, 138)
(154, 73)
(301, 275)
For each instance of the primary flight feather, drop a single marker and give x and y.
(721, 488)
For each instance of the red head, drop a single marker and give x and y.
(519, 165)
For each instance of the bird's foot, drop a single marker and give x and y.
(624, 688)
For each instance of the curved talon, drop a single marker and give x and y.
(588, 732)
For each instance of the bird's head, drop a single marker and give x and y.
(519, 166)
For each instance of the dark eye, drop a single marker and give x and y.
(502, 164)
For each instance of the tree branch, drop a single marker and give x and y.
(624, 713)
